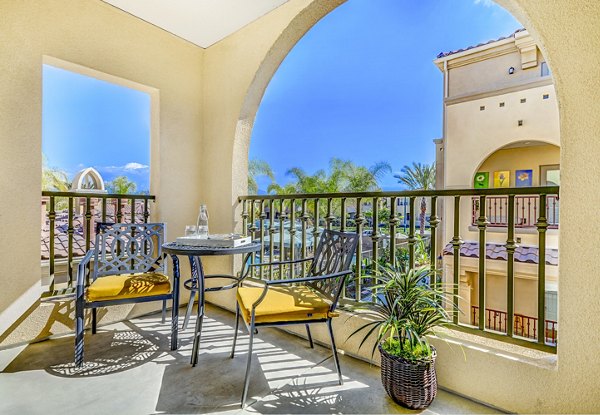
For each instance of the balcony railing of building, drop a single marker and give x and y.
(288, 226)
(523, 326)
(526, 211)
(68, 229)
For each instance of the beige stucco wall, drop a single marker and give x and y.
(235, 74)
(97, 36)
(482, 374)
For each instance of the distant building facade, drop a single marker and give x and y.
(500, 122)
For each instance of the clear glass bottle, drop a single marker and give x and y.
(203, 222)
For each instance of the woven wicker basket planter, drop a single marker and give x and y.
(412, 385)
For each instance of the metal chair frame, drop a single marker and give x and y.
(131, 250)
(336, 264)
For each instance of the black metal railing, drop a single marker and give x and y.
(288, 226)
(68, 228)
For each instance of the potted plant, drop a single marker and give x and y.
(406, 310)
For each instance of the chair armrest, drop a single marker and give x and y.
(308, 279)
(81, 271)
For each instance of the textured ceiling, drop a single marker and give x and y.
(202, 22)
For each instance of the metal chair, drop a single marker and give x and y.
(128, 267)
(306, 300)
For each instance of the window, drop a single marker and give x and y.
(501, 104)
(523, 100)
(546, 96)
(482, 108)
(544, 69)
(520, 123)
(90, 122)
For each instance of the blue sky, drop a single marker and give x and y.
(88, 122)
(361, 84)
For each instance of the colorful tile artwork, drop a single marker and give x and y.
(502, 178)
(524, 178)
(481, 180)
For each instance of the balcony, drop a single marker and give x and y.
(525, 209)
(289, 377)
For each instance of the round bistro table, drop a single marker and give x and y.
(196, 284)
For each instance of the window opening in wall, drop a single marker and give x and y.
(520, 123)
(88, 122)
(95, 141)
(550, 175)
(482, 108)
(546, 96)
(501, 104)
(523, 100)
(545, 71)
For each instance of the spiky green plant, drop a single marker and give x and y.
(407, 309)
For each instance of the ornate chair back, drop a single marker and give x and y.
(128, 248)
(334, 254)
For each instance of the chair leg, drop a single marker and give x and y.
(310, 340)
(335, 355)
(164, 311)
(237, 326)
(190, 307)
(79, 332)
(249, 363)
(94, 320)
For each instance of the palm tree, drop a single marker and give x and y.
(258, 168)
(418, 177)
(121, 185)
(53, 178)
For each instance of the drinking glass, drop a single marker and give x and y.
(191, 230)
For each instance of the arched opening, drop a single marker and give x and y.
(495, 94)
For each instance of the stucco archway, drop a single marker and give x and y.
(284, 43)
(564, 31)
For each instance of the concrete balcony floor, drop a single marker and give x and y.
(130, 369)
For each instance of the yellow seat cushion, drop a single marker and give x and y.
(116, 287)
(283, 304)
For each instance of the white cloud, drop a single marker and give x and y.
(135, 166)
(132, 167)
(486, 3)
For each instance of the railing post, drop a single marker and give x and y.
(88, 221)
(304, 219)
(133, 210)
(511, 246)
(253, 229)
(375, 237)
(343, 215)
(272, 231)
(316, 227)
(456, 243)
(70, 231)
(261, 232)
(292, 235)
(411, 234)
(482, 223)
(147, 214)
(244, 217)
(119, 212)
(51, 247)
(282, 217)
(542, 226)
(433, 223)
(393, 223)
(358, 220)
(330, 217)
